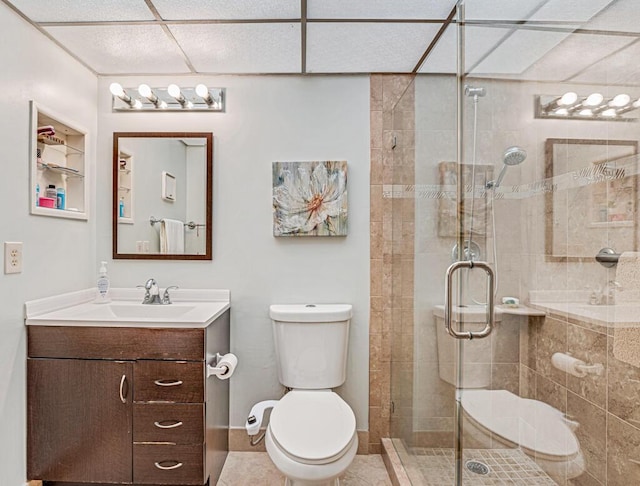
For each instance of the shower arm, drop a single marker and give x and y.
(494, 184)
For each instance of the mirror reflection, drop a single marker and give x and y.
(162, 186)
(594, 193)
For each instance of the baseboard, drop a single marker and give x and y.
(239, 441)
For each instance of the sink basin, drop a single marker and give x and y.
(140, 311)
(192, 308)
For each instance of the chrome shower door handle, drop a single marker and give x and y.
(448, 300)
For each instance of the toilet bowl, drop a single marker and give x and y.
(311, 437)
(499, 418)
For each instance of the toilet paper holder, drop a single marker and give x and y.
(574, 366)
(223, 366)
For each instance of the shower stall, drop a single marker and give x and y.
(509, 238)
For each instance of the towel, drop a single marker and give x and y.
(171, 236)
(626, 345)
(628, 277)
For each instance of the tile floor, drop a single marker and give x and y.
(507, 467)
(256, 469)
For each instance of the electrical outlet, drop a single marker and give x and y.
(12, 257)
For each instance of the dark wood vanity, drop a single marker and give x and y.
(126, 405)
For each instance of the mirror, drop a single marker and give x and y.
(162, 195)
(592, 197)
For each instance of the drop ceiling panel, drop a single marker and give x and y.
(228, 9)
(561, 63)
(241, 48)
(480, 41)
(366, 47)
(122, 48)
(621, 68)
(621, 16)
(83, 10)
(379, 9)
(510, 10)
(518, 51)
(569, 10)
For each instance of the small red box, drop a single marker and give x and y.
(47, 202)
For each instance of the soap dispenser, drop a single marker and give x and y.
(102, 294)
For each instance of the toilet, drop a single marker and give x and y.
(311, 437)
(498, 418)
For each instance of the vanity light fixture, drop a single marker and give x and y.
(146, 91)
(171, 98)
(591, 107)
(117, 90)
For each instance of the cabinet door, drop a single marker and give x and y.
(79, 421)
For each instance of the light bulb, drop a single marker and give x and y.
(188, 105)
(585, 112)
(609, 113)
(174, 91)
(594, 99)
(144, 90)
(137, 104)
(162, 105)
(561, 112)
(202, 91)
(116, 89)
(568, 99)
(620, 100)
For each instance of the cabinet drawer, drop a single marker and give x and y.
(169, 381)
(168, 464)
(179, 423)
(122, 343)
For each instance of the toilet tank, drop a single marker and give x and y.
(478, 353)
(311, 344)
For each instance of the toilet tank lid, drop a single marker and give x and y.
(310, 312)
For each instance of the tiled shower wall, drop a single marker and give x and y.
(605, 405)
(392, 250)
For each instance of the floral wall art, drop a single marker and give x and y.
(310, 198)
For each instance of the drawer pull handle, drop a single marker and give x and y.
(168, 383)
(168, 468)
(175, 424)
(123, 380)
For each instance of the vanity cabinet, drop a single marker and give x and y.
(126, 405)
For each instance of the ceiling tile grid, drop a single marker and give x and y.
(528, 38)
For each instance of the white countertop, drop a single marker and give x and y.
(617, 315)
(191, 308)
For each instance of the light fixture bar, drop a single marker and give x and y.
(594, 106)
(171, 98)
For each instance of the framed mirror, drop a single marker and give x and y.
(592, 197)
(162, 195)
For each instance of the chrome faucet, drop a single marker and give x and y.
(152, 292)
(610, 295)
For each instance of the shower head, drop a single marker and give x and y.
(512, 156)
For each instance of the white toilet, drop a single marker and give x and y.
(311, 437)
(498, 418)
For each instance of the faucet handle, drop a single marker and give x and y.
(166, 299)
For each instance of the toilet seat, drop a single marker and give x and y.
(313, 426)
(535, 426)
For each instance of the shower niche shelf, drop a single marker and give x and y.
(57, 155)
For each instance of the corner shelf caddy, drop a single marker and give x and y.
(58, 159)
